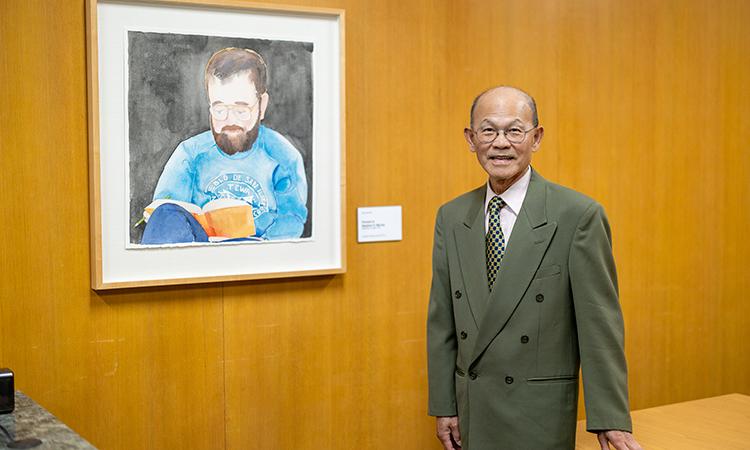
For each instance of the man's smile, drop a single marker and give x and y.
(501, 159)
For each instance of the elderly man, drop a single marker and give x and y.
(237, 159)
(523, 291)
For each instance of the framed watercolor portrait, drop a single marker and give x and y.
(216, 142)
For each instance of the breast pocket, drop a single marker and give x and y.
(547, 271)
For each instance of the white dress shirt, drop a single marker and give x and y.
(513, 198)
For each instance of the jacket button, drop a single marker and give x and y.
(473, 375)
(457, 294)
(539, 298)
(460, 372)
(524, 339)
(508, 380)
(463, 335)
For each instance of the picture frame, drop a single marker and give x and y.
(209, 113)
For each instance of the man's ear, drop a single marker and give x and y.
(538, 135)
(263, 105)
(467, 135)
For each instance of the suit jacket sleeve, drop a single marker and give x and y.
(600, 325)
(441, 334)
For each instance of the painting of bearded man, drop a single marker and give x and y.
(237, 181)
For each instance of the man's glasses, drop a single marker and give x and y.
(220, 111)
(514, 135)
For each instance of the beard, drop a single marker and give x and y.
(234, 139)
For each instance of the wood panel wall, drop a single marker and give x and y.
(645, 105)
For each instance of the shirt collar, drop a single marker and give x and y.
(513, 196)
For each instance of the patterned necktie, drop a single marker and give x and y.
(495, 240)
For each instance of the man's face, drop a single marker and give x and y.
(504, 161)
(236, 111)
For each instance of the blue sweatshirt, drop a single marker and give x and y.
(270, 177)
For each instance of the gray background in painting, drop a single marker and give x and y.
(167, 103)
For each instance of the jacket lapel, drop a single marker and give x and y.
(471, 250)
(528, 243)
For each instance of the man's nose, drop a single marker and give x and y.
(500, 141)
(230, 120)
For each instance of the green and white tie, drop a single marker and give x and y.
(495, 240)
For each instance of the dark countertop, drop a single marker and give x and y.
(29, 420)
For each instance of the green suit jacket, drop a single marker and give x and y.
(507, 362)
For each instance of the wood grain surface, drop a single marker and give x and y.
(645, 107)
(717, 422)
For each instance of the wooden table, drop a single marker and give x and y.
(711, 423)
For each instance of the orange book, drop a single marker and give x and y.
(223, 218)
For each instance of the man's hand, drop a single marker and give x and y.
(448, 434)
(621, 440)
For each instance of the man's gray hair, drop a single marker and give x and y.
(529, 101)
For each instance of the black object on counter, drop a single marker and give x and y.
(7, 392)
